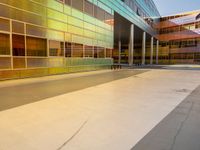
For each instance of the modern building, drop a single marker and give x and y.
(180, 38)
(43, 37)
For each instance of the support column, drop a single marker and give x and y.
(151, 54)
(143, 48)
(119, 51)
(157, 51)
(131, 45)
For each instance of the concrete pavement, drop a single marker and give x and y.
(25, 91)
(112, 115)
(180, 130)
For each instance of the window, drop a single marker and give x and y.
(101, 53)
(4, 25)
(17, 27)
(99, 13)
(18, 43)
(89, 8)
(68, 49)
(108, 52)
(19, 62)
(109, 19)
(77, 50)
(35, 31)
(56, 48)
(36, 46)
(78, 4)
(68, 2)
(4, 44)
(37, 62)
(5, 63)
(95, 52)
(88, 51)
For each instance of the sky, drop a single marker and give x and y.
(170, 7)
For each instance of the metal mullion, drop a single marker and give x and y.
(83, 51)
(26, 61)
(48, 52)
(64, 50)
(11, 46)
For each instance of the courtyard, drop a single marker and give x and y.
(124, 109)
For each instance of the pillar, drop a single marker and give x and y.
(131, 45)
(143, 48)
(151, 53)
(119, 51)
(157, 51)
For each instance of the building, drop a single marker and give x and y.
(42, 37)
(180, 38)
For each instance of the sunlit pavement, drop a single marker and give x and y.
(113, 115)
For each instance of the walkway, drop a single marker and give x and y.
(180, 130)
(112, 115)
(28, 91)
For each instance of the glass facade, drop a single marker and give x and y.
(4, 44)
(57, 36)
(40, 34)
(180, 38)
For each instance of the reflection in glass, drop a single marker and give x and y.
(4, 24)
(19, 63)
(37, 62)
(99, 13)
(5, 63)
(88, 8)
(108, 52)
(77, 50)
(88, 51)
(68, 2)
(35, 31)
(18, 43)
(68, 49)
(4, 44)
(17, 27)
(56, 48)
(101, 52)
(95, 52)
(78, 4)
(36, 46)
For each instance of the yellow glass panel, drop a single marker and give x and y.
(75, 22)
(89, 26)
(68, 37)
(4, 44)
(57, 25)
(89, 19)
(17, 27)
(89, 34)
(19, 62)
(4, 25)
(75, 30)
(77, 39)
(77, 14)
(56, 35)
(5, 63)
(36, 31)
(67, 10)
(56, 15)
(55, 5)
(88, 41)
